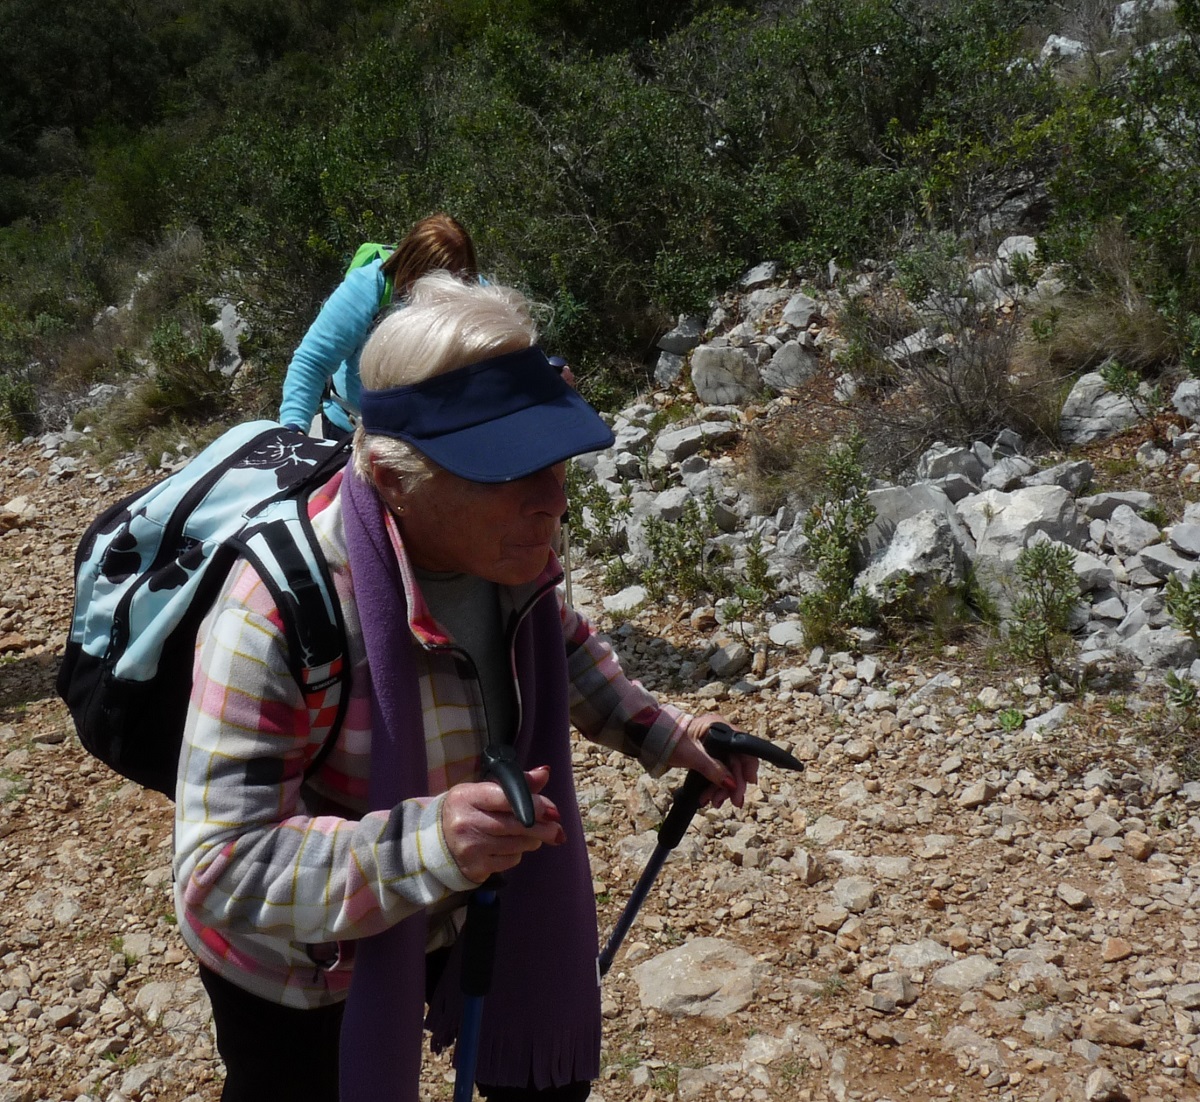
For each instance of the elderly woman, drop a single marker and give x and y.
(303, 895)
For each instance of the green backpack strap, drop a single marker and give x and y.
(368, 252)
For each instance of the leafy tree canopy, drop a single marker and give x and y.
(622, 162)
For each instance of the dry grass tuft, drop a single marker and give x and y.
(1078, 332)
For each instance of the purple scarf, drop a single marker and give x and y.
(541, 1022)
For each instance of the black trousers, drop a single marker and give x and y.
(273, 1051)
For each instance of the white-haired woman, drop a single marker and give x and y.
(324, 909)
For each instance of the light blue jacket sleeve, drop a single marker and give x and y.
(332, 345)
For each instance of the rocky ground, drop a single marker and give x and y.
(939, 907)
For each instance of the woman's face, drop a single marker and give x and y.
(499, 531)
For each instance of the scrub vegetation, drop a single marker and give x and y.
(622, 164)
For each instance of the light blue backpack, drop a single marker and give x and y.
(149, 568)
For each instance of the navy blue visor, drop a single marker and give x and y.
(493, 421)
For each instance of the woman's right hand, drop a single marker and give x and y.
(485, 837)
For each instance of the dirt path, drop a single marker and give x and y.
(936, 909)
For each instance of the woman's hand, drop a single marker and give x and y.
(728, 782)
(485, 837)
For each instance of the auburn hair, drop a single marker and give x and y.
(436, 242)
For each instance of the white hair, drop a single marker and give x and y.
(443, 324)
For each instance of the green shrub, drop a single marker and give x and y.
(934, 270)
(18, 406)
(1147, 401)
(1127, 162)
(1010, 719)
(1183, 693)
(597, 524)
(184, 381)
(1047, 594)
(183, 387)
(754, 588)
(926, 613)
(681, 557)
(756, 576)
(1175, 733)
(835, 527)
(1183, 605)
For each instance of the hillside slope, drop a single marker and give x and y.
(936, 908)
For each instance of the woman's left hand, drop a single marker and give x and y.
(728, 782)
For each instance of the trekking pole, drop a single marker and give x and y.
(564, 530)
(483, 922)
(564, 546)
(721, 741)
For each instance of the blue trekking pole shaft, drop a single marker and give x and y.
(479, 949)
(482, 925)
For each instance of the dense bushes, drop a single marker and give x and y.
(1130, 171)
(620, 186)
(621, 169)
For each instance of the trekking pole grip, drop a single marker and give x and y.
(687, 798)
(500, 765)
(720, 741)
(483, 908)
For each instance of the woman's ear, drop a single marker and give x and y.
(389, 485)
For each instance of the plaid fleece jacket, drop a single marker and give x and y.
(275, 876)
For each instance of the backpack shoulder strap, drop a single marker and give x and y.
(370, 251)
(283, 549)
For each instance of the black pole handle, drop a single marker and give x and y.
(685, 804)
(500, 765)
(722, 742)
(483, 917)
(483, 908)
